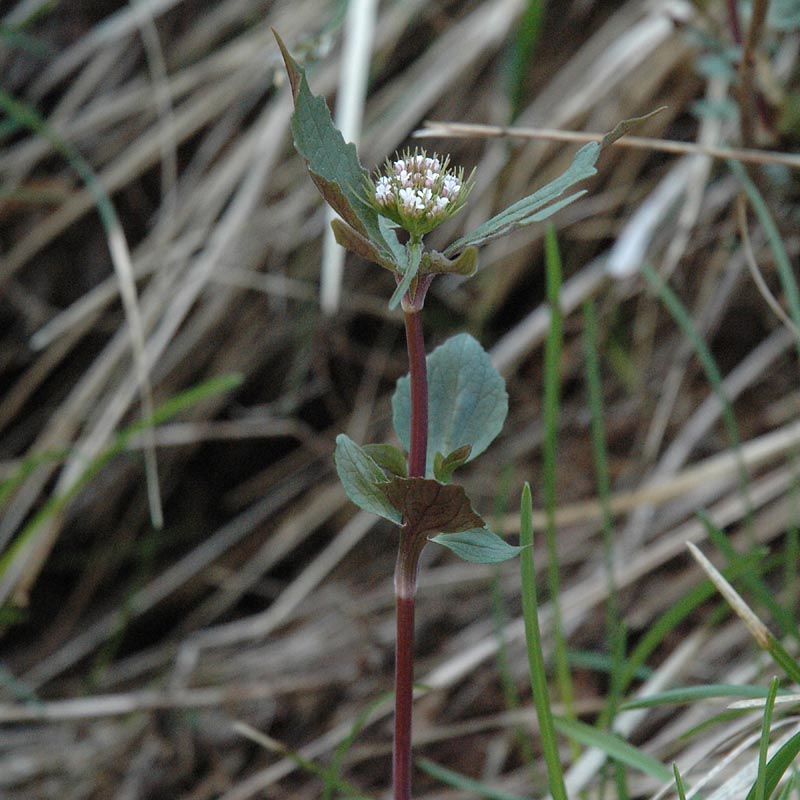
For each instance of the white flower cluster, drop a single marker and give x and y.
(418, 191)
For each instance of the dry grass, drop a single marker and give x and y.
(265, 600)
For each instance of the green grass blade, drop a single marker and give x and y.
(788, 788)
(614, 624)
(268, 743)
(459, 781)
(508, 685)
(528, 32)
(533, 640)
(777, 766)
(552, 391)
(691, 694)
(27, 467)
(760, 785)
(614, 747)
(15, 38)
(679, 783)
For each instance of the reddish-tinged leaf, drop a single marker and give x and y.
(352, 240)
(428, 506)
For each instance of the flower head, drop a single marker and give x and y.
(419, 192)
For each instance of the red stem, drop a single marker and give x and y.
(405, 582)
(419, 395)
(405, 576)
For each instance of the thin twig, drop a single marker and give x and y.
(461, 130)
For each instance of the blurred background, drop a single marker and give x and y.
(161, 255)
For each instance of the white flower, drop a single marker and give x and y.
(383, 190)
(418, 191)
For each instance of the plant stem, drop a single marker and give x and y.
(405, 585)
(419, 394)
(405, 576)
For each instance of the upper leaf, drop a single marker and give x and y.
(466, 264)
(352, 240)
(362, 479)
(467, 399)
(532, 208)
(428, 506)
(332, 163)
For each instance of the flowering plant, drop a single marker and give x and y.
(444, 428)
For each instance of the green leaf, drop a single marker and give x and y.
(466, 264)
(332, 163)
(544, 202)
(428, 506)
(614, 747)
(412, 259)
(625, 126)
(445, 466)
(535, 207)
(362, 479)
(691, 694)
(467, 400)
(478, 545)
(388, 457)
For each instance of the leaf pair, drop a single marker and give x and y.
(422, 507)
(467, 407)
(341, 179)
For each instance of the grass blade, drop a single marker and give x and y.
(757, 629)
(760, 785)
(533, 640)
(614, 747)
(459, 781)
(552, 387)
(777, 766)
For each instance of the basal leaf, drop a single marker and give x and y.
(428, 506)
(363, 479)
(532, 208)
(332, 163)
(467, 400)
(478, 545)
